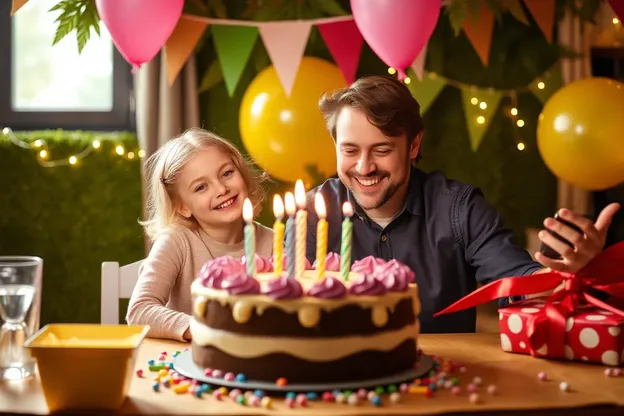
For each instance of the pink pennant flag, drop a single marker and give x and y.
(285, 43)
(418, 66)
(344, 41)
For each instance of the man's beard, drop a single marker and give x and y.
(386, 194)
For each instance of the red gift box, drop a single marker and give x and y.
(591, 334)
(570, 323)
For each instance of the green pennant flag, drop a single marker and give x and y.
(234, 45)
(426, 90)
(480, 105)
(544, 86)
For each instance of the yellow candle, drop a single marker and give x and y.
(278, 235)
(321, 235)
(301, 222)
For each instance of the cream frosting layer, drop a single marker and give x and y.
(319, 350)
(308, 308)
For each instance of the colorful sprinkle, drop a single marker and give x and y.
(240, 399)
(167, 383)
(217, 394)
(477, 381)
(175, 354)
(542, 376)
(353, 399)
(290, 403)
(291, 395)
(266, 402)
(362, 393)
(403, 388)
(455, 390)
(474, 398)
(395, 397)
(162, 358)
(281, 382)
(371, 394)
(327, 397)
(312, 396)
(472, 388)
(223, 390)
(462, 369)
(248, 394)
(564, 386)
(181, 388)
(379, 390)
(608, 372)
(492, 389)
(156, 367)
(207, 372)
(234, 393)
(217, 373)
(302, 400)
(376, 401)
(259, 393)
(198, 392)
(156, 386)
(151, 362)
(241, 378)
(253, 400)
(617, 372)
(340, 398)
(229, 377)
(139, 373)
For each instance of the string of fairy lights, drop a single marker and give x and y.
(510, 110)
(44, 153)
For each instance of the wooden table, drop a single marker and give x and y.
(515, 376)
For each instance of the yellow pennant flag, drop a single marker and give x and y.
(17, 4)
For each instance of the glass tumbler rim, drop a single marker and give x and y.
(26, 261)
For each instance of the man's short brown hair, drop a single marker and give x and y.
(386, 101)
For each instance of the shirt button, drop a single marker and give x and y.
(384, 238)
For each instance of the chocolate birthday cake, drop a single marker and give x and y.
(306, 329)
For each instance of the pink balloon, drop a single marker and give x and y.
(396, 30)
(139, 28)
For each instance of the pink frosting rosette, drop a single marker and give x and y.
(332, 262)
(262, 265)
(367, 285)
(367, 265)
(283, 288)
(241, 284)
(395, 276)
(214, 271)
(328, 288)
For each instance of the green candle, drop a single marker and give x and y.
(250, 238)
(345, 244)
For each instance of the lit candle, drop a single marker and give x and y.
(345, 244)
(250, 238)
(321, 235)
(301, 221)
(291, 208)
(278, 235)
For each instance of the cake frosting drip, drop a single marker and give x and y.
(328, 288)
(394, 275)
(367, 285)
(283, 287)
(241, 284)
(332, 262)
(262, 265)
(367, 265)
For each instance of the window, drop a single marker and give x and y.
(47, 87)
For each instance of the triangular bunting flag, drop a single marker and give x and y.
(234, 45)
(344, 41)
(419, 63)
(543, 11)
(480, 31)
(515, 9)
(480, 105)
(17, 4)
(426, 90)
(285, 43)
(181, 44)
(546, 85)
(618, 8)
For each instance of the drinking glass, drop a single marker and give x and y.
(20, 297)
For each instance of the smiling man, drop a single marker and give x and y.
(444, 230)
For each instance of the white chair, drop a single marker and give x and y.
(117, 283)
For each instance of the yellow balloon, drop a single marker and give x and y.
(287, 135)
(580, 133)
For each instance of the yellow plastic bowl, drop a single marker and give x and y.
(86, 366)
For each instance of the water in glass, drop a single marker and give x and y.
(20, 285)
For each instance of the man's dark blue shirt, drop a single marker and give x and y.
(447, 233)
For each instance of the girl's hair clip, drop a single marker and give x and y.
(163, 180)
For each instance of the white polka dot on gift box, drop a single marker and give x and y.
(594, 336)
(513, 325)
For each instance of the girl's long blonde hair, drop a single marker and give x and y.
(164, 166)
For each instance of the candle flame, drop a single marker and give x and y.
(289, 200)
(319, 204)
(347, 209)
(247, 210)
(278, 207)
(300, 196)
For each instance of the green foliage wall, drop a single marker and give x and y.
(74, 217)
(517, 183)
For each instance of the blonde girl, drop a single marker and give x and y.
(197, 185)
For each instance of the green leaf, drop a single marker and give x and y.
(515, 9)
(79, 15)
(211, 78)
(457, 13)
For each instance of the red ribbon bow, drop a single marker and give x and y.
(604, 273)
